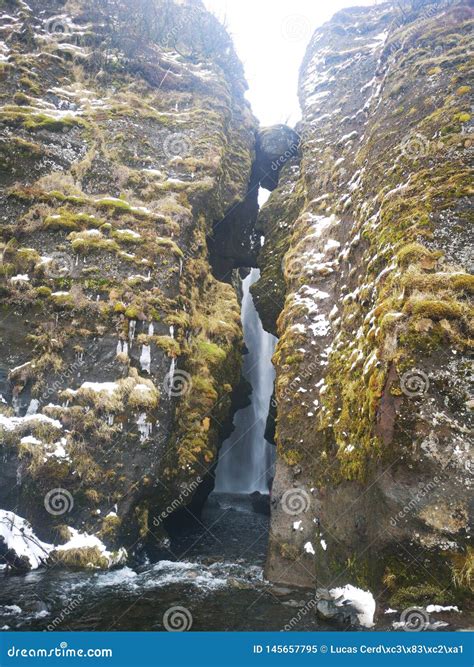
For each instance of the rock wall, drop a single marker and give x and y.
(125, 141)
(365, 280)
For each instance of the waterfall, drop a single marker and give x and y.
(246, 459)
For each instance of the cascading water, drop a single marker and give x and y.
(246, 459)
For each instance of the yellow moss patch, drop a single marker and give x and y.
(434, 309)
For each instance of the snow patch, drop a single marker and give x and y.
(362, 601)
(18, 535)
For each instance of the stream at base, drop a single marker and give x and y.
(217, 576)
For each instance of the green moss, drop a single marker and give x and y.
(144, 396)
(169, 345)
(26, 257)
(413, 252)
(85, 558)
(63, 300)
(83, 243)
(425, 341)
(210, 352)
(126, 236)
(420, 595)
(165, 245)
(205, 387)
(463, 282)
(434, 309)
(27, 147)
(114, 204)
(291, 456)
(63, 218)
(30, 84)
(131, 312)
(33, 120)
(21, 99)
(462, 117)
(462, 569)
(110, 528)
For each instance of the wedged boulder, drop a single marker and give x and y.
(260, 503)
(276, 144)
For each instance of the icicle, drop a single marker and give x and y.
(16, 405)
(33, 407)
(122, 347)
(145, 359)
(144, 428)
(131, 330)
(171, 376)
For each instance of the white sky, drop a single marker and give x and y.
(271, 38)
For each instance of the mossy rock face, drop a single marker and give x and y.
(122, 150)
(371, 307)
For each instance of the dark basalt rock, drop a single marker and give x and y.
(106, 206)
(367, 262)
(276, 145)
(260, 503)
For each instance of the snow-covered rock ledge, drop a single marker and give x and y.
(22, 550)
